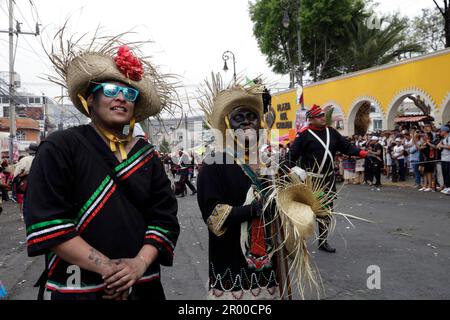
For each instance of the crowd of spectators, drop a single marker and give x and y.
(421, 153)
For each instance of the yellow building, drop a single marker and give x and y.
(384, 87)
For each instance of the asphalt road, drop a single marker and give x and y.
(409, 242)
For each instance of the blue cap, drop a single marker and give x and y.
(445, 128)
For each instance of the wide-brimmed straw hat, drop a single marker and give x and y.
(110, 58)
(230, 99)
(218, 101)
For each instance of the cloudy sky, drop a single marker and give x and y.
(189, 36)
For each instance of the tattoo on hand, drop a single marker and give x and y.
(97, 258)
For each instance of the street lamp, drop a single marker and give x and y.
(226, 56)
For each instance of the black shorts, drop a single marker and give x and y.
(429, 167)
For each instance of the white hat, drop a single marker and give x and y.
(398, 140)
(375, 138)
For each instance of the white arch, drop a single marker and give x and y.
(349, 119)
(398, 99)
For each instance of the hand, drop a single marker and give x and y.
(257, 207)
(299, 172)
(130, 271)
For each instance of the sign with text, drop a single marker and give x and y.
(283, 122)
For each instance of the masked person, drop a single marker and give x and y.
(316, 146)
(99, 204)
(231, 199)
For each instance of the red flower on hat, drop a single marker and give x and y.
(129, 64)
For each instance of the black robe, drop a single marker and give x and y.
(71, 194)
(311, 152)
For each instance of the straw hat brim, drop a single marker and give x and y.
(298, 209)
(94, 67)
(227, 100)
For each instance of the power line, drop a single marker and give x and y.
(39, 21)
(37, 54)
(3, 9)
(23, 16)
(21, 47)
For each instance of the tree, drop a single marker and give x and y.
(369, 47)
(273, 39)
(164, 147)
(445, 11)
(322, 23)
(427, 30)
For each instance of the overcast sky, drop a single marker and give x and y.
(189, 36)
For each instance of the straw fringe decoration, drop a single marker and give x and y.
(298, 205)
(212, 88)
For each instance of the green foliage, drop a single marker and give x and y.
(270, 34)
(335, 36)
(322, 25)
(428, 30)
(370, 47)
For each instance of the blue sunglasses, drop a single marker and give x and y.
(112, 90)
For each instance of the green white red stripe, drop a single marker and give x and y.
(47, 230)
(148, 278)
(54, 286)
(161, 236)
(130, 166)
(95, 203)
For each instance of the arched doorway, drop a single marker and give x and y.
(446, 111)
(365, 116)
(411, 102)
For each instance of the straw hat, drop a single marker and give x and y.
(89, 68)
(218, 101)
(299, 204)
(230, 99)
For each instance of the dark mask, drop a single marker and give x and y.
(243, 118)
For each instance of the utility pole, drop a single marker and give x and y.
(61, 115)
(12, 107)
(44, 100)
(299, 44)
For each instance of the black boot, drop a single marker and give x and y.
(326, 247)
(324, 225)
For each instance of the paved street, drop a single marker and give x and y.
(409, 242)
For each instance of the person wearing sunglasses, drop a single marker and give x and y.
(316, 146)
(99, 204)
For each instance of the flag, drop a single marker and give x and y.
(299, 99)
(249, 82)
